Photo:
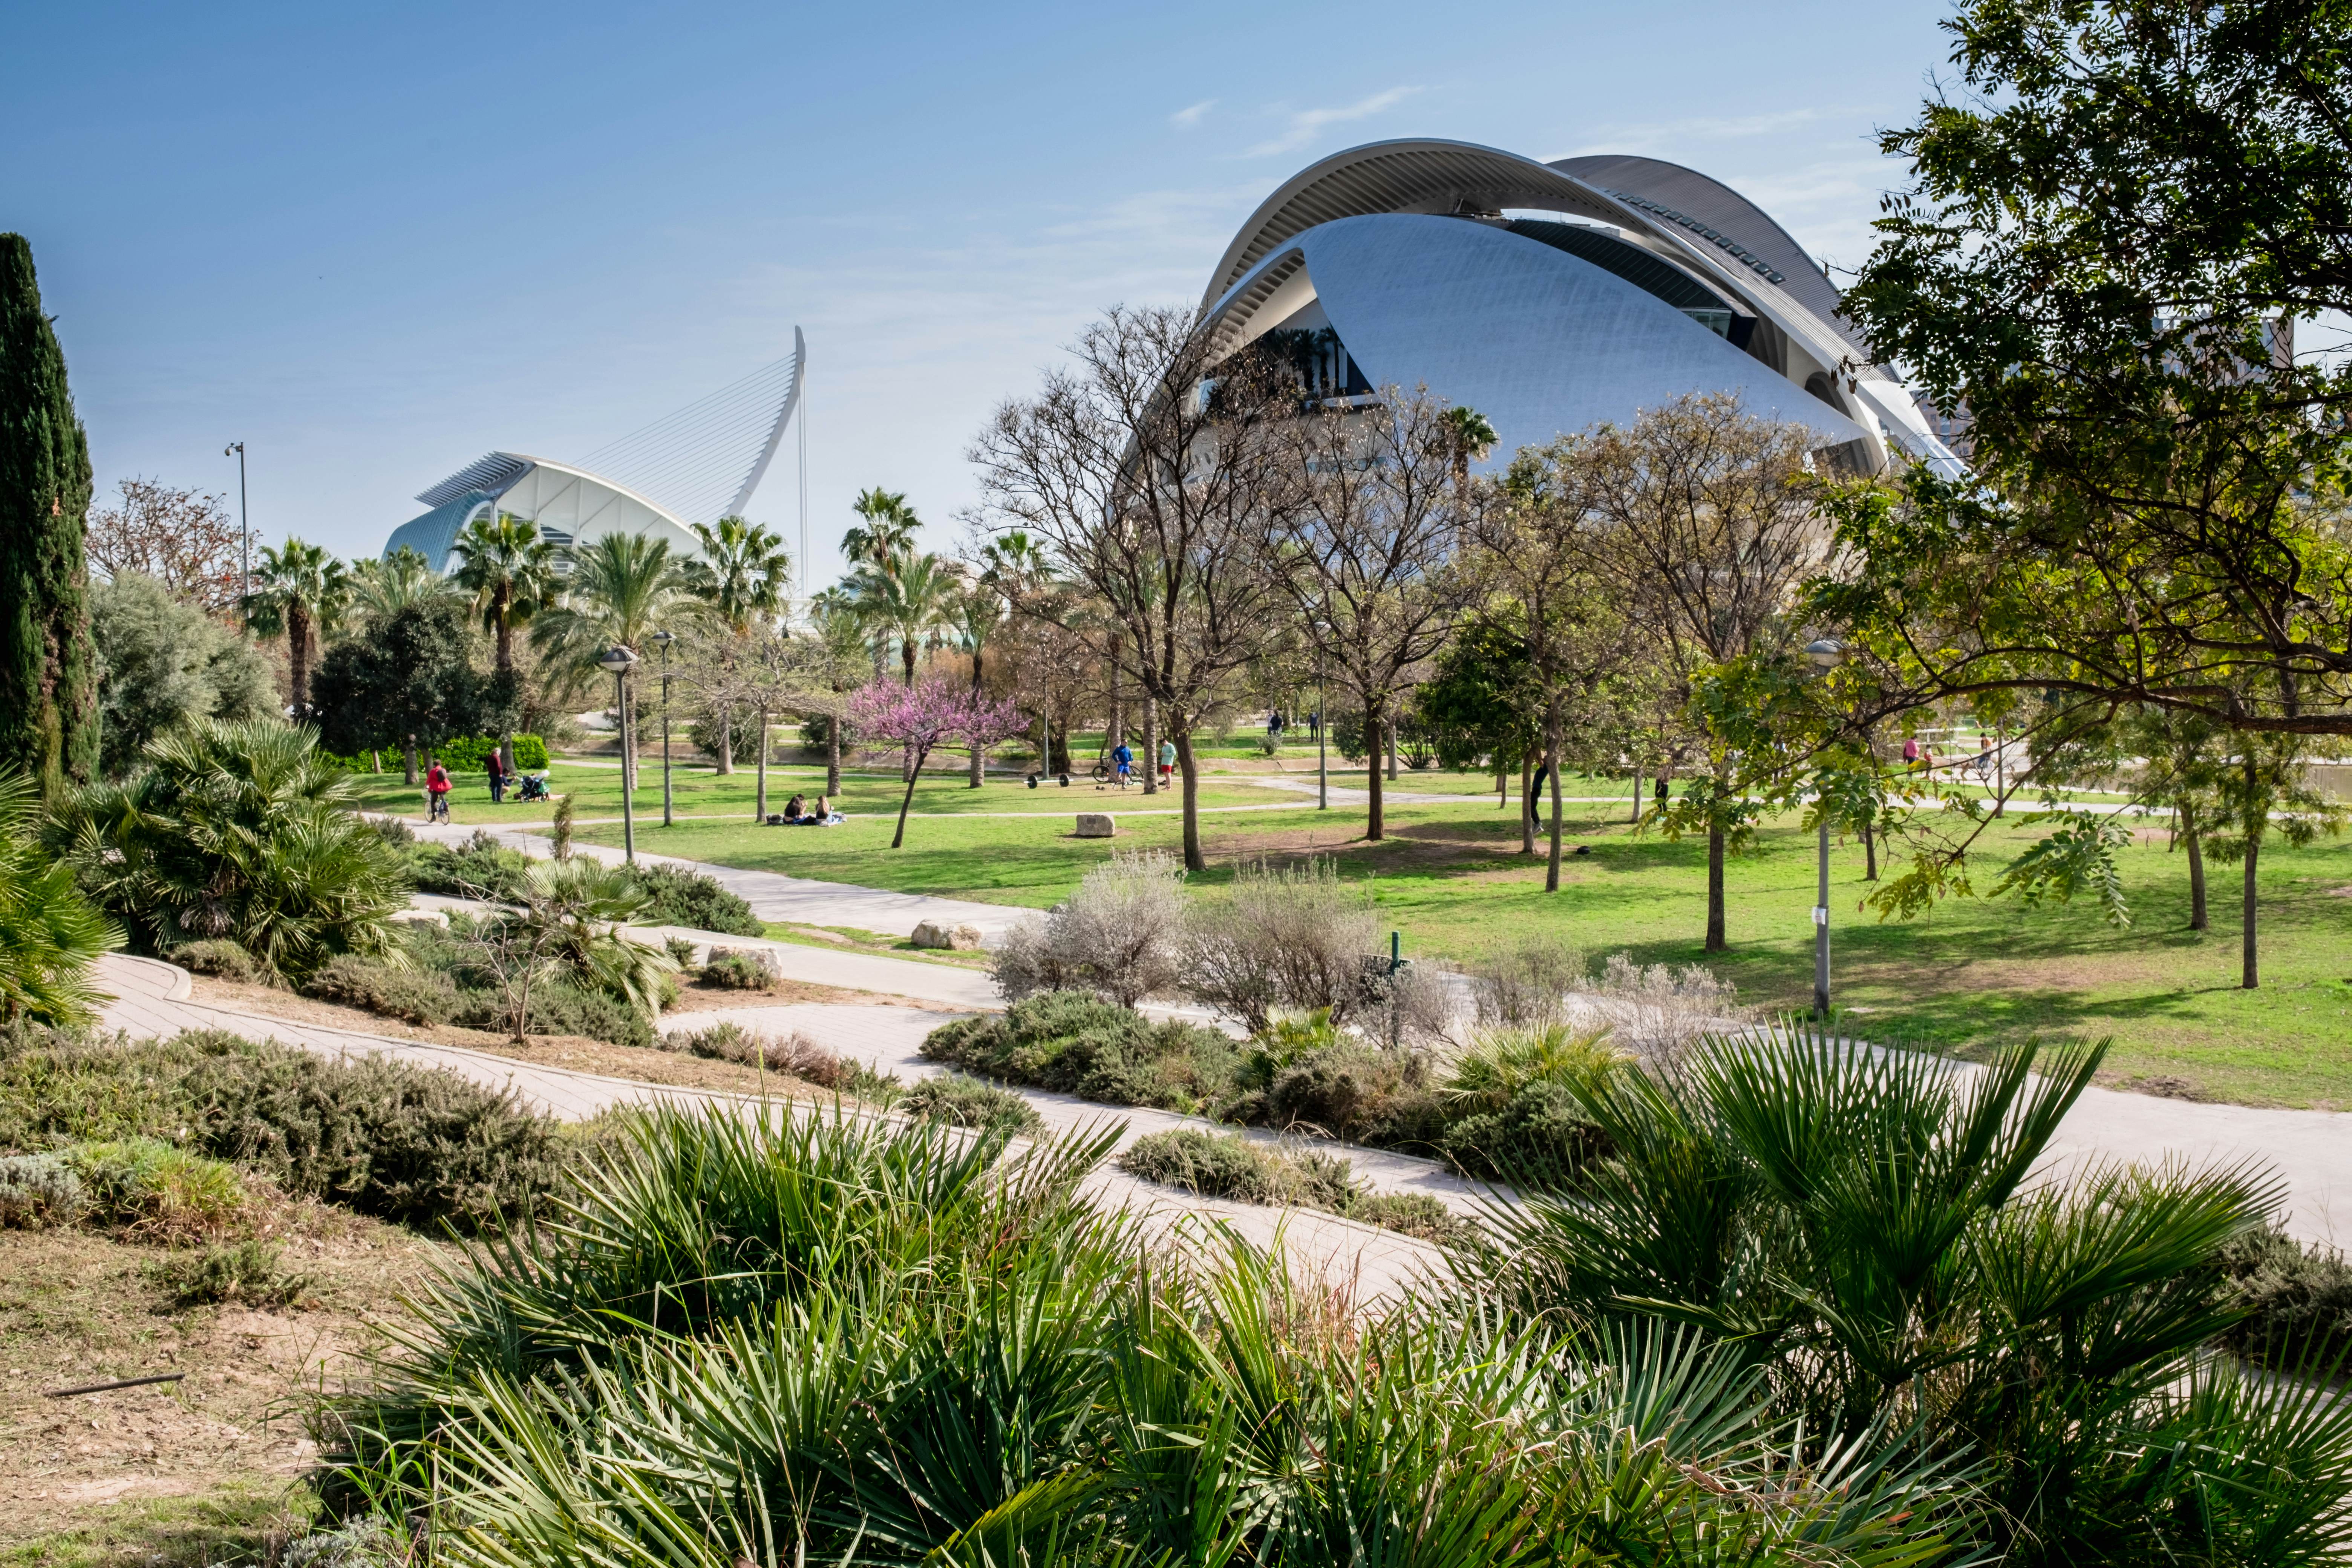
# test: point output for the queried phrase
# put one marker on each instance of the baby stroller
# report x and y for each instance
(534, 786)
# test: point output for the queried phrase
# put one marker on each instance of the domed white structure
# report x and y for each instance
(704, 462)
(1551, 297)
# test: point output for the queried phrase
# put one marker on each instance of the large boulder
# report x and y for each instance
(953, 939)
(1097, 825)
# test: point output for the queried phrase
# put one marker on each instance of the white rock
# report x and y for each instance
(955, 938)
(1097, 825)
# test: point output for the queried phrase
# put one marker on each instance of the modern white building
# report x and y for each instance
(696, 465)
(1552, 296)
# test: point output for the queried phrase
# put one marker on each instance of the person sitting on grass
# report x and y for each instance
(823, 816)
(796, 809)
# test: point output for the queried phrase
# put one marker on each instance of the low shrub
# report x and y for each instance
(962, 1102)
(481, 868)
(737, 969)
(37, 1190)
(1227, 1165)
(692, 899)
(417, 995)
(403, 1143)
(2298, 1300)
(158, 1188)
(1538, 1139)
(1074, 1043)
(244, 1272)
(471, 754)
(1528, 981)
(1209, 1164)
(1119, 933)
(222, 960)
(560, 1007)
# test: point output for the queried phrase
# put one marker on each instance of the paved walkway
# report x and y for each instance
(889, 1039)
(150, 1000)
(785, 900)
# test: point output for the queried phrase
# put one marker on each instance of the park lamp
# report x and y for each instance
(618, 660)
(1825, 654)
(662, 640)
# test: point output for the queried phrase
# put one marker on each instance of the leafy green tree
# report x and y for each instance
(510, 571)
(745, 578)
(302, 590)
(2116, 214)
(382, 588)
(48, 686)
(237, 832)
(1482, 702)
(623, 587)
(162, 662)
(50, 933)
(412, 681)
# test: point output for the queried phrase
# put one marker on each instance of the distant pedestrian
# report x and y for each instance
(497, 768)
(436, 792)
(1535, 789)
(1125, 760)
(1167, 760)
(1984, 758)
(1911, 752)
(1315, 725)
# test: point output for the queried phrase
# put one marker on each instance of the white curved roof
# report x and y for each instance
(570, 506)
(1698, 225)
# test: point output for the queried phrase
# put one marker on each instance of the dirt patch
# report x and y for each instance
(78, 1308)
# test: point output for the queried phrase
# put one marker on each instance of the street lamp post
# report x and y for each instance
(1322, 736)
(1825, 656)
(243, 525)
(665, 639)
(620, 658)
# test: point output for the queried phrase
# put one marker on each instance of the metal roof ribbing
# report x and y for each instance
(491, 474)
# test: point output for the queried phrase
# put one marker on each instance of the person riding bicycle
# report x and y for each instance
(436, 792)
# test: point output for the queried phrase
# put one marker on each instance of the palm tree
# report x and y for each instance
(974, 612)
(1473, 439)
(743, 577)
(909, 600)
(839, 643)
(50, 933)
(298, 590)
(889, 529)
(381, 589)
(509, 569)
(622, 586)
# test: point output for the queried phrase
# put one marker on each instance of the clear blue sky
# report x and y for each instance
(376, 241)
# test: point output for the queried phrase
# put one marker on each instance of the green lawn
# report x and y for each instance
(1973, 973)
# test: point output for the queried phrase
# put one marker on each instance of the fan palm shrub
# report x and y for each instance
(238, 832)
(1865, 1228)
(50, 933)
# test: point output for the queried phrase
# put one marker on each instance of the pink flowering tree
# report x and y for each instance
(920, 717)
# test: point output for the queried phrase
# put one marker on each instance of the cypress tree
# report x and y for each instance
(48, 690)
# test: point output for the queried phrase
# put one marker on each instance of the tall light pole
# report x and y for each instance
(620, 658)
(665, 639)
(1322, 736)
(243, 525)
(1825, 654)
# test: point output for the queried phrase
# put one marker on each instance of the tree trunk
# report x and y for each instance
(978, 751)
(907, 799)
(1375, 821)
(2257, 818)
(375, 758)
(2249, 969)
(832, 754)
(1502, 782)
(1118, 713)
(910, 764)
(408, 754)
(1551, 772)
(2195, 840)
(1527, 805)
(1637, 795)
(297, 657)
(1716, 941)
(628, 737)
(1388, 733)
(761, 812)
(726, 740)
(1151, 745)
(1869, 852)
(504, 608)
(1193, 859)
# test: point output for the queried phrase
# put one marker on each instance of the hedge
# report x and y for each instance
(470, 753)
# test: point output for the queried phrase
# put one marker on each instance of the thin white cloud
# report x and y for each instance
(1186, 117)
(1655, 137)
(1306, 123)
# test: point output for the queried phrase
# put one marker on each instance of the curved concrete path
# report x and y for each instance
(150, 1000)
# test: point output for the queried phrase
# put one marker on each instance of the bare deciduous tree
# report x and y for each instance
(1147, 473)
(182, 539)
(1368, 550)
(1710, 529)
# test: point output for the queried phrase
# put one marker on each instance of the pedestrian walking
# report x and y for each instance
(1167, 760)
(1911, 752)
(496, 769)
(436, 792)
